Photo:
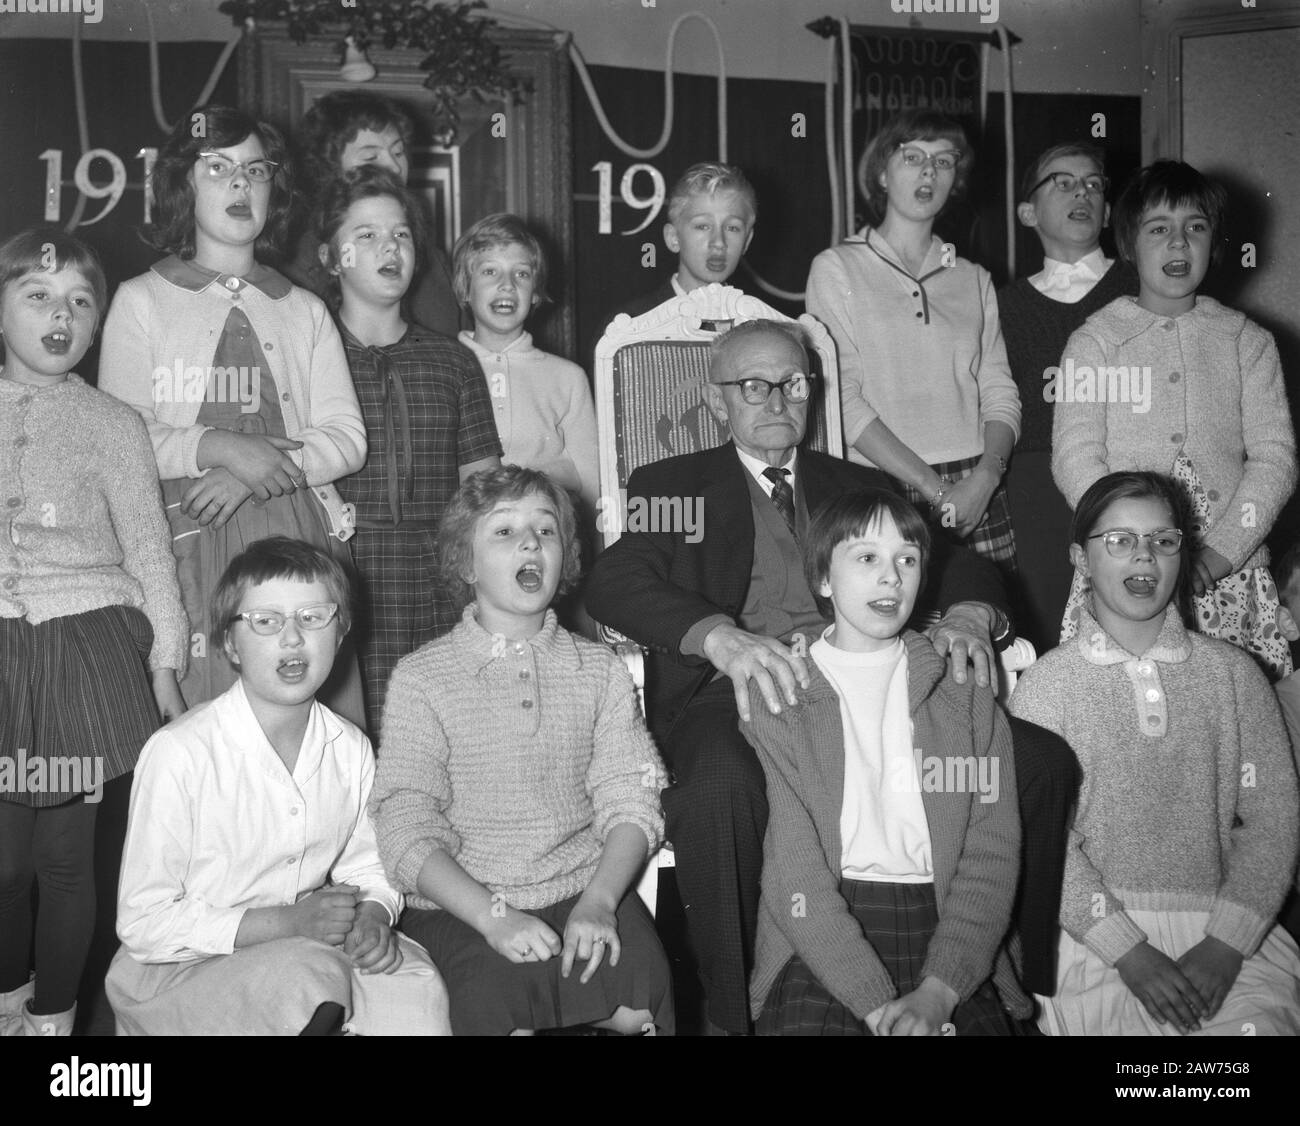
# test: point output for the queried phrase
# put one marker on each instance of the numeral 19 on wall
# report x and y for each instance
(651, 204)
(112, 191)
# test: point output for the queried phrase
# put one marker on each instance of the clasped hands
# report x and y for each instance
(337, 916)
(962, 635)
(248, 465)
(590, 934)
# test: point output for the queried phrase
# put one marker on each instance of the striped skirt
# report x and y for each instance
(74, 692)
(898, 920)
(993, 536)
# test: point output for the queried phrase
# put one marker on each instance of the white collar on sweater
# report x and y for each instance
(1171, 646)
(519, 347)
(1123, 319)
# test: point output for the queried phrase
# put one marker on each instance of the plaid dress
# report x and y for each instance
(993, 536)
(427, 413)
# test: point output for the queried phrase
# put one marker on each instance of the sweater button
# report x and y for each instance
(1167, 326)
(1153, 695)
(20, 441)
(1144, 669)
(918, 313)
(526, 704)
(269, 346)
(1176, 436)
(524, 674)
(1175, 376)
(285, 396)
(13, 502)
(10, 583)
(916, 293)
(1213, 494)
(1152, 720)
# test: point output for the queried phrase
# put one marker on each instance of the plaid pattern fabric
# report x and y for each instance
(427, 413)
(447, 423)
(993, 536)
(899, 921)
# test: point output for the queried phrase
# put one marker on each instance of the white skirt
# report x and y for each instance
(1092, 1000)
(272, 989)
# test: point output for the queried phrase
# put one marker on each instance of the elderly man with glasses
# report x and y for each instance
(731, 605)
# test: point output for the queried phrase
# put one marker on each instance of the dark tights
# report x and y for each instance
(55, 846)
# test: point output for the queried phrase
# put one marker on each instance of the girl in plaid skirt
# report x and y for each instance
(892, 846)
(925, 382)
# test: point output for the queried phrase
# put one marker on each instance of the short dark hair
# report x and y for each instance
(1175, 184)
(1034, 173)
(1132, 485)
(708, 178)
(333, 122)
(1287, 569)
(29, 252)
(277, 557)
(172, 229)
(852, 514)
(483, 491)
(911, 125)
(492, 231)
(791, 330)
(369, 181)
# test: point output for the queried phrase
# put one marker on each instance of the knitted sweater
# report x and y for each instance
(1035, 328)
(1215, 392)
(923, 354)
(975, 845)
(1188, 800)
(516, 758)
(82, 523)
(544, 413)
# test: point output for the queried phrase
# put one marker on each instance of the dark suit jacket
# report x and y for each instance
(652, 586)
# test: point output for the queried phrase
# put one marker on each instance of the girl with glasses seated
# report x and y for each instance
(239, 376)
(926, 389)
(1174, 382)
(1185, 835)
(252, 898)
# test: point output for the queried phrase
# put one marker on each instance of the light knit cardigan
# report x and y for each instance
(1216, 393)
(81, 517)
(544, 413)
(162, 319)
(925, 355)
(517, 758)
(1188, 800)
(975, 845)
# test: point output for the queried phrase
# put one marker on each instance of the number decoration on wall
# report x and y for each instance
(651, 204)
(112, 191)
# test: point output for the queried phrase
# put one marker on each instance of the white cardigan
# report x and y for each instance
(175, 313)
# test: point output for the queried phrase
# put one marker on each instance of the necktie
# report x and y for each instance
(782, 495)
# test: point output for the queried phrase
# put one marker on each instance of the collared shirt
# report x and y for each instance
(757, 467)
(218, 825)
(1070, 282)
(923, 353)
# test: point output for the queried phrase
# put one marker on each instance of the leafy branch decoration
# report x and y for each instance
(460, 59)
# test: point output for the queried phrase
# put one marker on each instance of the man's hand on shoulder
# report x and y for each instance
(965, 635)
(745, 656)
